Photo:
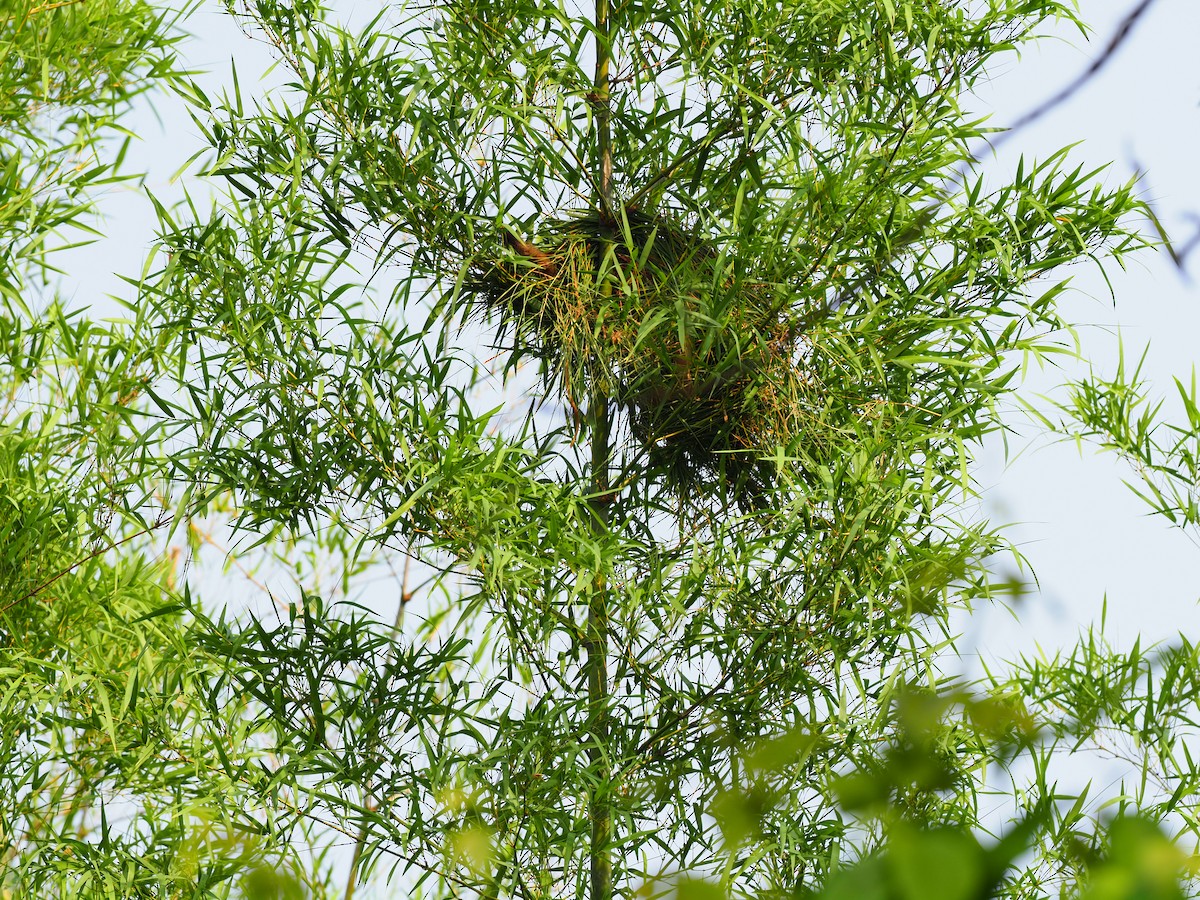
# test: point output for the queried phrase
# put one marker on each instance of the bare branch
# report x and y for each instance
(1124, 29)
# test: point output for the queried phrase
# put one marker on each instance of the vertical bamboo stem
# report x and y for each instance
(600, 89)
(600, 810)
(599, 414)
(360, 842)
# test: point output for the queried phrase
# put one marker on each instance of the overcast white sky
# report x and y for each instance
(1086, 535)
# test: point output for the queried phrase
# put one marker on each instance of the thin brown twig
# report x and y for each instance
(1124, 29)
(46, 7)
(100, 551)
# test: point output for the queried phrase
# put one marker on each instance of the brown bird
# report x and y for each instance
(540, 258)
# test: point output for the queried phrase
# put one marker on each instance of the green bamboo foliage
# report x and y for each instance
(67, 73)
(746, 251)
(106, 783)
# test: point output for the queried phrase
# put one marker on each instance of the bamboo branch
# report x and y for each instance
(599, 414)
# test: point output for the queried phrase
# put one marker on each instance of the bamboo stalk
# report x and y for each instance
(360, 841)
(600, 810)
(599, 414)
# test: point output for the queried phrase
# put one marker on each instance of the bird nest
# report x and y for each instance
(660, 319)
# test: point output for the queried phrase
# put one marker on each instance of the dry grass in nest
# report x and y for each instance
(658, 317)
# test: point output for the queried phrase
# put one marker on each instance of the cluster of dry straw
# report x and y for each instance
(702, 359)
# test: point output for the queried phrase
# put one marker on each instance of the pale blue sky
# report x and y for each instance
(1086, 534)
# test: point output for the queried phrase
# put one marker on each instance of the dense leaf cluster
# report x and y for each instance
(673, 606)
